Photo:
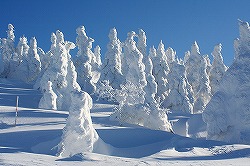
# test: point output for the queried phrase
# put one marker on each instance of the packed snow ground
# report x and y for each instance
(35, 138)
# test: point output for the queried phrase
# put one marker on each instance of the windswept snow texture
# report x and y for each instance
(228, 113)
(33, 141)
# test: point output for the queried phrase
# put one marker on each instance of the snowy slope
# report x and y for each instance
(33, 141)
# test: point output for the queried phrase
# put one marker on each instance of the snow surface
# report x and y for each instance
(34, 140)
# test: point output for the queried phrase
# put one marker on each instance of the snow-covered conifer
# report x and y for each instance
(186, 56)
(97, 53)
(57, 71)
(22, 49)
(134, 67)
(160, 70)
(33, 59)
(227, 114)
(48, 100)
(134, 109)
(112, 67)
(209, 65)
(83, 63)
(9, 47)
(79, 135)
(218, 68)
(170, 54)
(45, 59)
(7, 50)
(180, 96)
(19, 62)
(196, 68)
(151, 87)
(142, 43)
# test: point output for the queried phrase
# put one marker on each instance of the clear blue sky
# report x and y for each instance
(177, 22)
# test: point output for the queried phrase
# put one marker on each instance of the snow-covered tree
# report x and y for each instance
(170, 54)
(7, 50)
(97, 53)
(227, 115)
(151, 87)
(22, 49)
(8, 44)
(45, 59)
(133, 64)
(160, 70)
(180, 96)
(58, 69)
(196, 68)
(48, 100)
(19, 64)
(218, 68)
(133, 109)
(209, 66)
(142, 42)
(79, 135)
(33, 59)
(83, 63)
(111, 67)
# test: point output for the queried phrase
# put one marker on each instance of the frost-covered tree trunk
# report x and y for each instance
(48, 100)
(218, 68)
(112, 66)
(196, 68)
(83, 63)
(227, 115)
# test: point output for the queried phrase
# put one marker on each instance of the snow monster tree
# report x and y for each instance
(228, 113)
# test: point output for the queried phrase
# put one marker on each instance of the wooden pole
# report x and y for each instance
(16, 109)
